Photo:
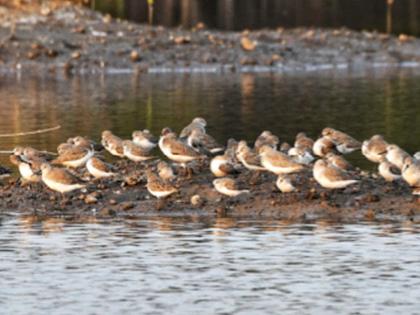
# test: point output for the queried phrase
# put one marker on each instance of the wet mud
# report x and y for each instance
(372, 199)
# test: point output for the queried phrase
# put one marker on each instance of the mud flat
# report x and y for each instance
(371, 199)
(74, 39)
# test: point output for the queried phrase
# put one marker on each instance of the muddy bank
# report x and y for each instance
(372, 199)
(75, 39)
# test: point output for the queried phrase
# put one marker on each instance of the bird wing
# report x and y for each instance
(179, 148)
(63, 177)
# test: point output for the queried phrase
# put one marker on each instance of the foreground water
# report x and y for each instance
(223, 266)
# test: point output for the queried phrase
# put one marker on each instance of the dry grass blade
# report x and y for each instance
(27, 133)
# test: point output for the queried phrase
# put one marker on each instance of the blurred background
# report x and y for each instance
(254, 14)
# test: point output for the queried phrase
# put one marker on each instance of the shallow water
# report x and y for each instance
(235, 105)
(216, 267)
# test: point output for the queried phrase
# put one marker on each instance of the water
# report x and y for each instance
(213, 267)
(235, 105)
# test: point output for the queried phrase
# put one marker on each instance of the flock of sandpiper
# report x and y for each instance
(330, 170)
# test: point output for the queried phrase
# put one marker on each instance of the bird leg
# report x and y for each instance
(160, 204)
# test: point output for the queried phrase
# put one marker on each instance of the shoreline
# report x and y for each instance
(75, 40)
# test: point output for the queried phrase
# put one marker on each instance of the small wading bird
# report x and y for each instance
(396, 155)
(338, 161)
(74, 157)
(98, 168)
(176, 150)
(197, 122)
(134, 152)
(249, 158)
(411, 174)
(342, 141)
(277, 162)
(304, 142)
(201, 141)
(330, 177)
(27, 171)
(323, 146)
(227, 186)
(389, 171)
(374, 149)
(59, 179)
(158, 187)
(266, 138)
(284, 184)
(222, 166)
(145, 139)
(165, 171)
(112, 143)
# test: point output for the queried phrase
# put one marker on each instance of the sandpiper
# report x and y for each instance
(59, 179)
(285, 147)
(301, 155)
(328, 176)
(338, 161)
(322, 146)
(157, 186)
(197, 122)
(343, 142)
(30, 154)
(63, 147)
(112, 143)
(304, 142)
(74, 157)
(98, 168)
(284, 184)
(411, 173)
(222, 165)
(144, 139)
(396, 155)
(26, 170)
(389, 171)
(230, 151)
(175, 149)
(84, 142)
(134, 152)
(202, 141)
(277, 162)
(374, 149)
(165, 171)
(228, 187)
(266, 138)
(249, 158)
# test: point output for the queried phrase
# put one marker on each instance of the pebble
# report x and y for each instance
(196, 200)
(90, 199)
(126, 205)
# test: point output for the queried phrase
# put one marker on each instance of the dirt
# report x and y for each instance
(372, 199)
(74, 39)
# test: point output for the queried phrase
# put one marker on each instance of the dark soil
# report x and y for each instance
(74, 39)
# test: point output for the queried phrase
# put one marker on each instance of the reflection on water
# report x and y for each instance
(216, 267)
(235, 105)
(257, 14)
